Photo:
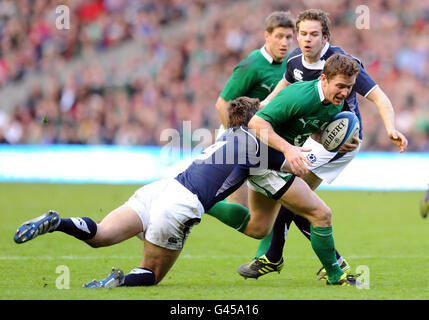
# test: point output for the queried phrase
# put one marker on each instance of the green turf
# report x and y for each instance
(380, 230)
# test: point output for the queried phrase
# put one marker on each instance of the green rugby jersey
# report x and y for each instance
(297, 111)
(255, 76)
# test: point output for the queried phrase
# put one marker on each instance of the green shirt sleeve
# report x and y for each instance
(241, 80)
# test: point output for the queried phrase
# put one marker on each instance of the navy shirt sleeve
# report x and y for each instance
(364, 83)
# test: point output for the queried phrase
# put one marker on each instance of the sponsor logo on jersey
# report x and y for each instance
(267, 87)
(297, 74)
(304, 123)
(172, 240)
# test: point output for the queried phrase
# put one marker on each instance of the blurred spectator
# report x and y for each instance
(190, 48)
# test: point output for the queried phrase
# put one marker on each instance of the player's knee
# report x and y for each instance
(257, 231)
(100, 241)
(95, 244)
(323, 215)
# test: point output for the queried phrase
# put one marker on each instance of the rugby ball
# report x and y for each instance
(343, 127)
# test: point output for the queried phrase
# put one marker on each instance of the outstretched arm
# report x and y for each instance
(385, 109)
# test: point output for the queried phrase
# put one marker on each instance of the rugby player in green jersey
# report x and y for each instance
(306, 63)
(258, 74)
(297, 112)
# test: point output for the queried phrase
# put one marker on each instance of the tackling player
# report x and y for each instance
(164, 212)
(303, 64)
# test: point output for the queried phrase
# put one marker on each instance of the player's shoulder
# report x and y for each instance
(335, 49)
(251, 60)
(302, 85)
(244, 137)
(294, 55)
(300, 92)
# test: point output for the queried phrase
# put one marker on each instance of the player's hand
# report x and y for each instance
(297, 160)
(398, 139)
(349, 147)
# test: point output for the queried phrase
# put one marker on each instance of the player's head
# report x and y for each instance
(338, 77)
(241, 110)
(313, 31)
(279, 30)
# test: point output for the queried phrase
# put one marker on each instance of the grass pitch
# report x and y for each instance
(380, 231)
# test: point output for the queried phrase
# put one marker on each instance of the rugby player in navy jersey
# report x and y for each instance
(303, 64)
(163, 213)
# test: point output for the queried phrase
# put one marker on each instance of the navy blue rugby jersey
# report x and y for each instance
(223, 167)
(297, 69)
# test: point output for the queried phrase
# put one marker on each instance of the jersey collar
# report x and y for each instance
(266, 55)
(320, 63)
(319, 89)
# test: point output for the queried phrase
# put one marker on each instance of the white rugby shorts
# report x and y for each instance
(324, 164)
(270, 182)
(168, 212)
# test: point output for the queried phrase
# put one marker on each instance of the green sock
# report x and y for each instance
(264, 245)
(232, 214)
(322, 242)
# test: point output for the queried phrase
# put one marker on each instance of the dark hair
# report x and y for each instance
(278, 19)
(241, 110)
(340, 64)
(318, 15)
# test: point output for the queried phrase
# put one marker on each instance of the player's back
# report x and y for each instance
(223, 167)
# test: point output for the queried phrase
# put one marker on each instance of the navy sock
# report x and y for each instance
(139, 277)
(283, 220)
(80, 228)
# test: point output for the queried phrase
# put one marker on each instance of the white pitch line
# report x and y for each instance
(91, 257)
(184, 256)
(66, 257)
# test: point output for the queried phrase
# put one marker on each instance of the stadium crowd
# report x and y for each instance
(181, 75)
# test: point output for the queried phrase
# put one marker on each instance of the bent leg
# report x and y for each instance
(240, 196)
(159, 260)
(302, 200)
(263, 212)
(119, 225)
